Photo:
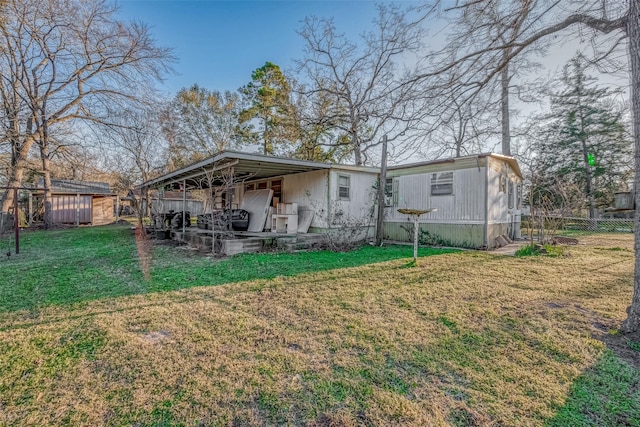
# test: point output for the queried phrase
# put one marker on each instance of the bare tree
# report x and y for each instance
(607, 24)
(68, 61)
(467, 76)
(200, 123)
(134, 149)
(368, 92)
(464, 128)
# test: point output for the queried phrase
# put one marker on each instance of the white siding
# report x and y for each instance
(497, 202)
(465, 205)
(309, 191)
(362, 196)
(498, 206)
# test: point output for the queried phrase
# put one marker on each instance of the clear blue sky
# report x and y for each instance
(219, 43)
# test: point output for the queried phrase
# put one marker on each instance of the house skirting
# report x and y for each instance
(448, 234)
(457, 235)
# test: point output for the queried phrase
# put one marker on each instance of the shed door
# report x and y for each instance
(64, 209)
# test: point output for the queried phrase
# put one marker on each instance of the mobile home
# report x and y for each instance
(476, 199)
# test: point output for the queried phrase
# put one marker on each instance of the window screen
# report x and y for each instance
(344, 184)
(441, 183)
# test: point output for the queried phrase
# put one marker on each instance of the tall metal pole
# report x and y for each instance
(383, 180)
(16, 220)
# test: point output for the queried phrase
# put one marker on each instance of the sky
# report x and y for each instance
(219, 43)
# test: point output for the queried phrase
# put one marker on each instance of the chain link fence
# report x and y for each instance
(569, 225)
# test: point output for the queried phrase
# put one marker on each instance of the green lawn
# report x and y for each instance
(317, 339)
(70, 266)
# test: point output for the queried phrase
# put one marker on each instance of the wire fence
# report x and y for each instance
(569, 225)
(6, 223)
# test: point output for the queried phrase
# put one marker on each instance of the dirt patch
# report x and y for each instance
(555, 305)
(625, 346)
(156, 337)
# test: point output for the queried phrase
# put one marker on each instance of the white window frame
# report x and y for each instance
(442, 183)
(347, 186)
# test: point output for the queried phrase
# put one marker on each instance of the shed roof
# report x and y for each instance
(68, 186)
(245, 165)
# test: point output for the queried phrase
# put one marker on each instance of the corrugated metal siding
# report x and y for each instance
(501, 218)
(466, 204)
(498, 200)
(497, 203)
(459, 235)
(64, 209)
(102, 210)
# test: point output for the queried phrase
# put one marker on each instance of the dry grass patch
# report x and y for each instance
(462, 339)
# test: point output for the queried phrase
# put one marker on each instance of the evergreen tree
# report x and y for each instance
(268, 96)
(585, 139)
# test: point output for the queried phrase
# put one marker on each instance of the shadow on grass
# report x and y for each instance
(77, 265)
(608, 393)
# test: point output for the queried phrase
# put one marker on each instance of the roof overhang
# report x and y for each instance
(511, 161)
(246, 166)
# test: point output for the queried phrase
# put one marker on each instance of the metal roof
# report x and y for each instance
(245, 166)
(513, 163)
(68, 186)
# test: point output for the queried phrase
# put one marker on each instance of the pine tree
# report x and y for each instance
(268, 96)
(585, 139)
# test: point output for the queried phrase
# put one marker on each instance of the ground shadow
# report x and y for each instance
(608, 393)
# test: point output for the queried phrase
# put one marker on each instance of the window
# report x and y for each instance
(503, 183)
(391, 192)
(519, 196)
(510, 194)
(344, 184)
(441, 183)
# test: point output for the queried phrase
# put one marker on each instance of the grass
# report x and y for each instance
(461, 339)
(534, 250)
(605, 395)
(72, 266)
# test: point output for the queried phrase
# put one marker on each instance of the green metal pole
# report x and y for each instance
(415, 238)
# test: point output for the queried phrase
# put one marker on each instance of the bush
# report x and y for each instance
(537, 249)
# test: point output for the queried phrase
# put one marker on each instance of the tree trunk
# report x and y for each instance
(16, 173)
(357, 152)
(632, 323)
(590, 187)
(46, 169)
(506, 131)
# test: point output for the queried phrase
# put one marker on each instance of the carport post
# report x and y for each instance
(78, 210)
(30, 208)
(184, 206)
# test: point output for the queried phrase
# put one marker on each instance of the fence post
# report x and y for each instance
(16, 220)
